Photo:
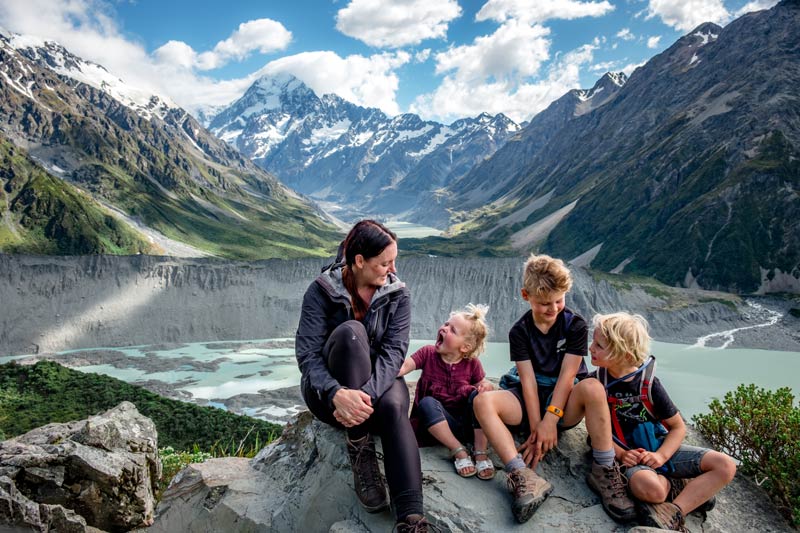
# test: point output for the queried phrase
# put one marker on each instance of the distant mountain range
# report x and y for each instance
(341, 153)
(688, 172)
(91, 165)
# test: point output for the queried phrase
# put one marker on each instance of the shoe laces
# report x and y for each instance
(364, 453)
(517, 482)
(617, 481)
(420, 526)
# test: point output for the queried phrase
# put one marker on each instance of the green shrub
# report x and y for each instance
(761, 429)
(173, 462)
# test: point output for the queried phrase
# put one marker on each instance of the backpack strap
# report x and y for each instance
(646, 386)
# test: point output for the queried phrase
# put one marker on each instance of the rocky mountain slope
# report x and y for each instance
(497, 175)
(336, 151)
(145, 159)
(58, 303)
(689, 173)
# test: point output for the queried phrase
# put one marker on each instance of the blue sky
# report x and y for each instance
(442, 59)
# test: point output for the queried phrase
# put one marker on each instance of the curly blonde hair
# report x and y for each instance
(543, 275)
(626, 335)
(478, 331)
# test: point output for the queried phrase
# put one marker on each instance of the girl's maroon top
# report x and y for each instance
(451, 384)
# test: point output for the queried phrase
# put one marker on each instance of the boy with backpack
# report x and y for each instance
(548, 344)
(671, 479)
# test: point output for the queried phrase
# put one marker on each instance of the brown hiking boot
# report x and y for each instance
(676, 486)
(413, 523)
(367, 478)
(612, 486)
(529, 491)
(664, 516)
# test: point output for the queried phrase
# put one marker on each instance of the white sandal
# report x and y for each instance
(483, 466)
(463, 462)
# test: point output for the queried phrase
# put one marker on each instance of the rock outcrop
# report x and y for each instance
(100, 473)
(302, 482)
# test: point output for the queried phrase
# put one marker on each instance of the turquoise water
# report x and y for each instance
(219, 370)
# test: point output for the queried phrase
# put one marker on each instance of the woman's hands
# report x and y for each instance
(352, 407)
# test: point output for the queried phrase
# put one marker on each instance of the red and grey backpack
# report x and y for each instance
(648, 370)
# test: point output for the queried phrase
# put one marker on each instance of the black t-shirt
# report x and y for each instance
(631, 412)
(546, 351)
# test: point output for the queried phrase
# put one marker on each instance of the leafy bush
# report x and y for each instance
(172, 462)
(761, 429)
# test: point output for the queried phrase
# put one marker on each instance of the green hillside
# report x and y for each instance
(35, 395)
(41, 214)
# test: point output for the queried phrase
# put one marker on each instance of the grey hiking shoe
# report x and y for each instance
(415, 523)
(676, 486)
(367, 478)
(612, 486)
(663, 516)
(529, 491)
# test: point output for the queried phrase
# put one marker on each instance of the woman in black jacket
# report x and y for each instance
(350, 345)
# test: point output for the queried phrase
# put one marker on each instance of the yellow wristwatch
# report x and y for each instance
(555, 410)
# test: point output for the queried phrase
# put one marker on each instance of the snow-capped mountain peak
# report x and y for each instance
(52, 55)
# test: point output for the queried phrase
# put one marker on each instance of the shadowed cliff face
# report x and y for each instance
(59, 303)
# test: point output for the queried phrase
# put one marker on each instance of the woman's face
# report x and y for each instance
(375, 270)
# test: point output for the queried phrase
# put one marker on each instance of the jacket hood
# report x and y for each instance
(331, 280)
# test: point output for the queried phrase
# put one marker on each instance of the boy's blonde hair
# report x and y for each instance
(478, 331)
(626, 335)
(543, 275)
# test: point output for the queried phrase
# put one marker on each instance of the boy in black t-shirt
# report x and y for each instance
(657, 471)
(548, 345)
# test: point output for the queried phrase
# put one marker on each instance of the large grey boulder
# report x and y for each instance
(97, 473)
(302, 482)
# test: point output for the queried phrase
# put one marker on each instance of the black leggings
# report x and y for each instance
(347, 356)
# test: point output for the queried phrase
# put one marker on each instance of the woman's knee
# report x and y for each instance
(394, 402)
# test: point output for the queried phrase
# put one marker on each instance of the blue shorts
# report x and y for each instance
(686, 462)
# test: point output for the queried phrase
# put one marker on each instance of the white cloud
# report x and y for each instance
(535, 11)
(422, 56)
(652, 42)
(515, 49)
(367, 81)
(625, 34)
(605, 66)
(519, 97)
(87, 29)
(757, 5)
(264, 35)
(396, 23)
(630, 67)
(686, 15)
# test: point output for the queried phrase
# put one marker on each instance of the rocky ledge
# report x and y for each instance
(302, 482)
(98, 474)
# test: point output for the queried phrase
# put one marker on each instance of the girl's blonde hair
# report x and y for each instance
(626, 335)
(478, 331)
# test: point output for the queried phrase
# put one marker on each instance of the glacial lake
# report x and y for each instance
(219, 370)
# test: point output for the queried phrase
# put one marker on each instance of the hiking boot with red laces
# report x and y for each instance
(664, 516)
(612, 486)
(414, 523)
(369, 485)
(676, 486)
(529, 491)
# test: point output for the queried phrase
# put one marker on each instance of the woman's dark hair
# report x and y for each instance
(368, 239)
